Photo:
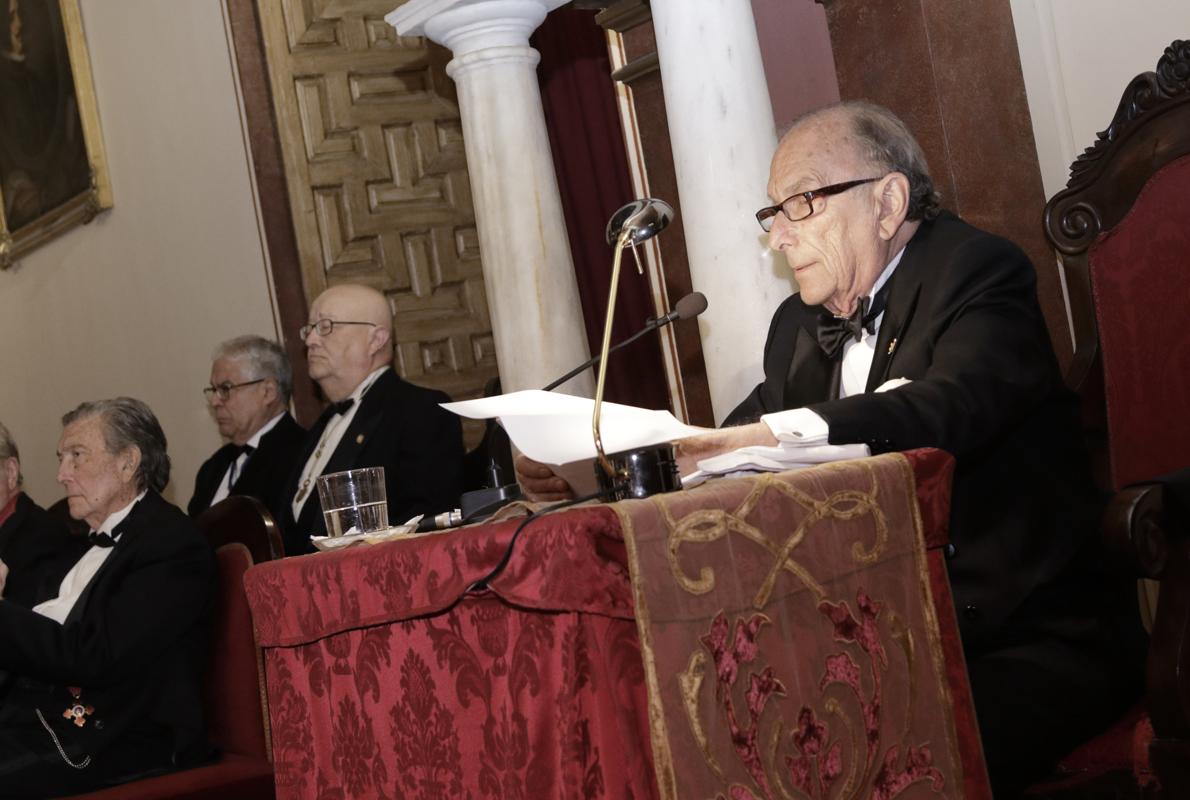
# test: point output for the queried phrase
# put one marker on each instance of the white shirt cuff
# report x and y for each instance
(797, 426)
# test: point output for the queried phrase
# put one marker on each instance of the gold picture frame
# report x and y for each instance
(53, 173)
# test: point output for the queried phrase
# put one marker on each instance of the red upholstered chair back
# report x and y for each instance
(1140, 278)
(236, 717)
(1122, 227)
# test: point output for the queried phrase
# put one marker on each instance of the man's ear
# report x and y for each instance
(379, 340)
(893, 204)
(130, 463)
(271, 392)
(10, 473)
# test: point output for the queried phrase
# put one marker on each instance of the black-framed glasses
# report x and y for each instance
(798, 206)
(224, 390)
(326, 327)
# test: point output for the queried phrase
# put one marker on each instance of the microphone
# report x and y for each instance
(688, 307)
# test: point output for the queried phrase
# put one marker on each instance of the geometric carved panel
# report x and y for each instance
(377, 175)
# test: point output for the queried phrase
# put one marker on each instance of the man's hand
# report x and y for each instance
(3, 577)
(539, 483)
(690, 451)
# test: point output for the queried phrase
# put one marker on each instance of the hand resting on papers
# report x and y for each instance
(539, 482)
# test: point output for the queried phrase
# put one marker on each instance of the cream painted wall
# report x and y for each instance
(135, 302)
(1077, 56)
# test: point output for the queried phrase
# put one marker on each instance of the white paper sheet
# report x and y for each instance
(556, 428)
(772, 459)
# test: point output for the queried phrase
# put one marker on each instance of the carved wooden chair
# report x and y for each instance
(1122, 227)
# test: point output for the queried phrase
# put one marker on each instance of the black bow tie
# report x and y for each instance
(833, 332)
(240, 449)
(100, 539)
(341, 407)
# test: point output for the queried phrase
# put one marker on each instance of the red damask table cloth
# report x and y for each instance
(387, 678)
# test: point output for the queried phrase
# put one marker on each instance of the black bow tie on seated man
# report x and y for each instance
(100, 539)
(833, 332)
(341, 407)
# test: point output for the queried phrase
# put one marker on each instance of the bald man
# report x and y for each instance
(375, 419)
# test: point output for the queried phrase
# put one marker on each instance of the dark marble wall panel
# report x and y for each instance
(951, 70)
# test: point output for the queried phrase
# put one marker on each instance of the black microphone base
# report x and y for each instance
(640, 473)
(482, 503)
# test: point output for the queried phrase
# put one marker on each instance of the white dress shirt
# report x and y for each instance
(332, 434)
(237, 467)
(804, 427)
(75, 582)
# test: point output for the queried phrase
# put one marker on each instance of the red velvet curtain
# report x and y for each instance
(588, 149)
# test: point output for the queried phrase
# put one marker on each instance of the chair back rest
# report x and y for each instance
(246, 520)
(234, 693)
(1122, 226)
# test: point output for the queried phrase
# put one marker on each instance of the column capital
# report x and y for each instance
(465, 26)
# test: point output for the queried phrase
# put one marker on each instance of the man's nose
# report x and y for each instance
(781, 233)
(62, 473)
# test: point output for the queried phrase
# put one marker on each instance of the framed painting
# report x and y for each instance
(53, 175)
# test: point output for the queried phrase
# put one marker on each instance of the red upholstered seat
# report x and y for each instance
(1123, 228)
(236, 713)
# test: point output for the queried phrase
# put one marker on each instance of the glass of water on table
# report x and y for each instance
(354, 501)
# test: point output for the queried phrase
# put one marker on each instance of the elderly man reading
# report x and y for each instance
(897, 294)
(102, 681)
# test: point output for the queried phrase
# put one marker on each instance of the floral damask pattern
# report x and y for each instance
(387, 685)
(795, 615)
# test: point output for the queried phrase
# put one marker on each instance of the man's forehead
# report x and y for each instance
(83, 432)
(229, 366)
(810, 156)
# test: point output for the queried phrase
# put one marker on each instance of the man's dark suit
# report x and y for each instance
(38, 551)
(400, 427)
(963, 324)
(134, 645)
(264, 474)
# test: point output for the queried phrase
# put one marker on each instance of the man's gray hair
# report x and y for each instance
(128, 422)
(265, 359)
(8, 449)
(886, 143)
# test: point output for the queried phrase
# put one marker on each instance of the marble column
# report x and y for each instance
(723, 135)
(532, 293)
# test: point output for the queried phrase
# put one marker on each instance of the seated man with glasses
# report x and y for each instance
(251, 381)
(914, 329)
(375, 419)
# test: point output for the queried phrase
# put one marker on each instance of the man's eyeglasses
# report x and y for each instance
(326, 327)
(798, 206)
(223, 390)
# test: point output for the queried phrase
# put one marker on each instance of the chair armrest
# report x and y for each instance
(1134, 532)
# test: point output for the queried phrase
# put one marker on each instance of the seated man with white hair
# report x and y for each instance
(251, 382)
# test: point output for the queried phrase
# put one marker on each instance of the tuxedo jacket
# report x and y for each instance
(265, 474)
(964, 325)
(402, 428)
(134, 646)
(38, 550)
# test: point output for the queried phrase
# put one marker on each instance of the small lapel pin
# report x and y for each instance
(892, 346)
(359, 439)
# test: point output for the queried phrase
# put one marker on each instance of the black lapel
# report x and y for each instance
(810, 373)
(129, 530)
(902, 301)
